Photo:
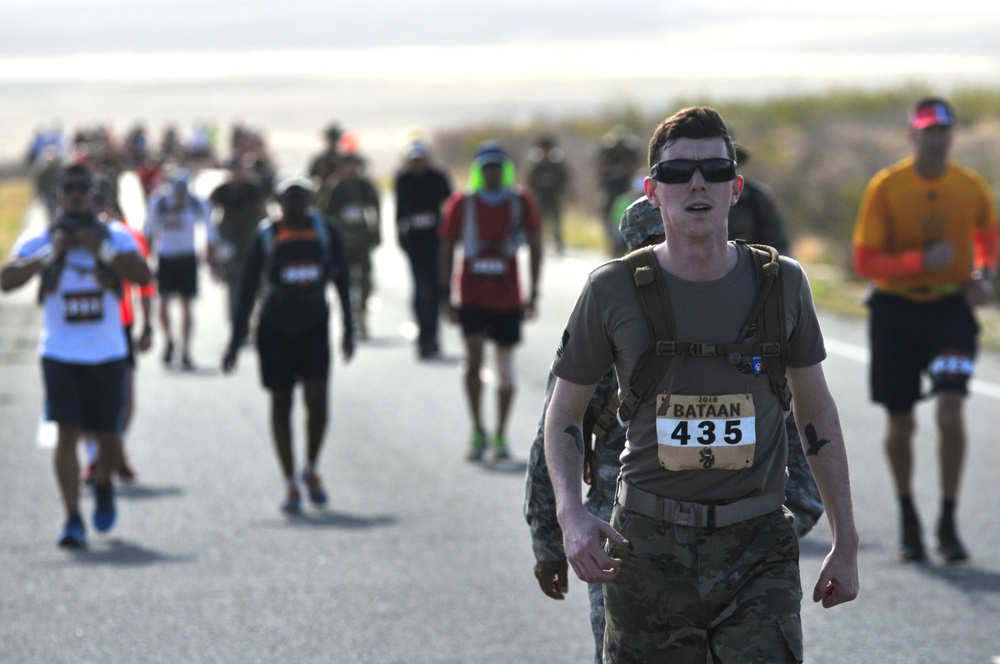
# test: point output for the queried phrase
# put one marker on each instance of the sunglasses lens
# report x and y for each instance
(675, 171)
(679, 171)
(718, 170)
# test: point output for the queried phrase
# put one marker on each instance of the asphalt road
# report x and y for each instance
(421, 556)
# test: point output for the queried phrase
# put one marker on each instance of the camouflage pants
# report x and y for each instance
(696, 595)
(601, 504)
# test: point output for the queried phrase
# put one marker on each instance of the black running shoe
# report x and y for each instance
(948, 544)
(912, 548)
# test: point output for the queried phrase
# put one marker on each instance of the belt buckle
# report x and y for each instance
(682, 518)
(691, 518)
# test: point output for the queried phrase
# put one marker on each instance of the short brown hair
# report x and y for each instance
(693, 122)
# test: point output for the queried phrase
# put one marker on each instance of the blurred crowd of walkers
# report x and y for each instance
(277, 243)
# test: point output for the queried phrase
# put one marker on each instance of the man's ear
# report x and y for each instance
(649, 188)
(738, 185)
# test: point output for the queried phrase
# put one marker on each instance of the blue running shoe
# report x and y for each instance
(104, 509)
(73, 534)
(317, 494)
(292, 505)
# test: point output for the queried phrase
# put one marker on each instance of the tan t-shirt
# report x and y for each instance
(607, 327)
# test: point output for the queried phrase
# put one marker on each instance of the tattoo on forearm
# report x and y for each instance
(574, 431)
(814, 441)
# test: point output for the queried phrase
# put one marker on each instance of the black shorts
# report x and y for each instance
(285, 359)
(503, 327)
(91, 396)
(909, 339)
(177, 275)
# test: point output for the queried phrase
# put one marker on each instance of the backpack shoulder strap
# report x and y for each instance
(768, 319)
(322, 232)
(470, 232)
(267, 229)
(654, 299)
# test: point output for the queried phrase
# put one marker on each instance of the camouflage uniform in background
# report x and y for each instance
(548, 179)
(242, 203)
(352, 203)
(540, 502)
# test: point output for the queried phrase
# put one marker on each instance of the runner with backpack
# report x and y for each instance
(291, 259)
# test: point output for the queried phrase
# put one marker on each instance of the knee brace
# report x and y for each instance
(951, 370)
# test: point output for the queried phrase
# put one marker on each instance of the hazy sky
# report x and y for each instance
(650, 35)
(402, 63)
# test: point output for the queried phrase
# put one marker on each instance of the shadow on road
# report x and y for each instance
(381, 341)
(332, 519)
(126, 554)
(199, 370)
(506, 467)
(147, 491)
(966, 578)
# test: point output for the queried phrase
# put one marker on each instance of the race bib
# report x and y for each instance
(354, 215)
(706, 432)
(420, 222)
(488, 267)
(83, 306)
(300, 274)
(173, 221)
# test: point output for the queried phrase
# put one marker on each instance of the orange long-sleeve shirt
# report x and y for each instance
(903, 213)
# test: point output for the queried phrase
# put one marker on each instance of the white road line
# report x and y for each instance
(857, 353)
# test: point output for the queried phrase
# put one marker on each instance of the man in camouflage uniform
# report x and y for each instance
(351, 201)
(324, 165)
(548, 179)
(700, 560)
(640, 225)
(240, 203)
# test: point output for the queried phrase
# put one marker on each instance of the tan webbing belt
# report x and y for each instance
(696, 515)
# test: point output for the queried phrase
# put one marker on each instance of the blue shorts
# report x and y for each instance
(91, 396)
(910, 339)
(503, 327)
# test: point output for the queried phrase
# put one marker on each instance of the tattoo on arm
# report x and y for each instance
(577, 435)
(814, 441)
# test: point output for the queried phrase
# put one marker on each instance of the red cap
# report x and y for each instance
(930, 115)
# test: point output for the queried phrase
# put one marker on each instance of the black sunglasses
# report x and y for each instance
(679, 171)
(75, 186)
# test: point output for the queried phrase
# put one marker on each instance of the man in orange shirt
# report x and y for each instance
(926, 236)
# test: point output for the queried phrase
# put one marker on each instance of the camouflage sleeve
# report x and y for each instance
(539, 498)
